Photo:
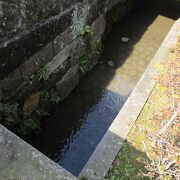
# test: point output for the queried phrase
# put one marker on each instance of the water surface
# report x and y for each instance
(75, 127)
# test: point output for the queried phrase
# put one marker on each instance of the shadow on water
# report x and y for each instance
(134, 25)
(75, 127)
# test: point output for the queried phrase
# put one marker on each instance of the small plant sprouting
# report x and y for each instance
(44, 74)
(29, 80)
(28, 125)
(55, 99)
(42, 112)
(8, 107)
(9, 110)
(86, 29)
(82, 66)
(86, 57)
(50, 96)
(32, 78)
(45, 94)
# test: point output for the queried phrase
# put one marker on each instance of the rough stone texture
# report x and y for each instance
(103, 156)
(19, 47)
(50, 42)
(56, 25)
(99, 27)
(38, 60)
(18, 160)
(68, 82)
(15, 51)
(63, 55)
(11, 82)
(56, 68)
(61, 41)
(28, 13)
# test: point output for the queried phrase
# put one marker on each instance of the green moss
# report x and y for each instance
(127, 164)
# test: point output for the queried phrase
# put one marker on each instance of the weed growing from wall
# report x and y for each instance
(11, 116)
(28, 125)
(44, 74)
(9, 112)
(51, 96)
(89, 57)
(87, 30)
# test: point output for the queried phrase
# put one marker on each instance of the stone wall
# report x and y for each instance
(44, 47)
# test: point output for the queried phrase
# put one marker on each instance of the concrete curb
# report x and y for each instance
(105, 153)
(19, 160)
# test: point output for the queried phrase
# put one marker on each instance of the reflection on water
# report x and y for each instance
(76, 127)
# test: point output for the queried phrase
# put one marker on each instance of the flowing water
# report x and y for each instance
(76, 126)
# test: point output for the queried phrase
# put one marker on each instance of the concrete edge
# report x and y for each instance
(26, 162)
(105, 153)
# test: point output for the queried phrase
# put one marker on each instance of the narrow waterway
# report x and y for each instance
(76, 126)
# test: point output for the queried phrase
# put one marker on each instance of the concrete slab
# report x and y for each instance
(19, 160)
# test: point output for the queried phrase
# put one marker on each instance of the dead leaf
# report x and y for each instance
(31, 104)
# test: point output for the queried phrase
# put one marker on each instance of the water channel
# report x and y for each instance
(76, 126)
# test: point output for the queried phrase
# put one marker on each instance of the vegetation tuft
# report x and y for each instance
(88, 58)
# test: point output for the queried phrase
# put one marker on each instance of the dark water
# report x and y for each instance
(75, 127)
